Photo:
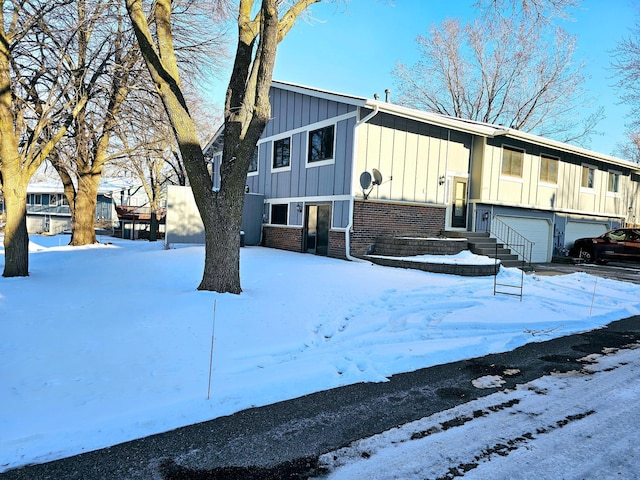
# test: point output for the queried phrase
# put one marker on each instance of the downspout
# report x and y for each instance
(354, 164)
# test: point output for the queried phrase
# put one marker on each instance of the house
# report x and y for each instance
(48, 209)
(338, 171)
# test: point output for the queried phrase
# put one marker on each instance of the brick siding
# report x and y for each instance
(337, 244)
(284, 238)
(373, 219)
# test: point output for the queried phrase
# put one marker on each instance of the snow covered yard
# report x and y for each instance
(108, 343)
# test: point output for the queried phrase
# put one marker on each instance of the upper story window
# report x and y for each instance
(321, 144)
(282, 153)
(614, 182)
(588, 177)
(512, 162)
(34, 199)
(253, 166)
(548, 169)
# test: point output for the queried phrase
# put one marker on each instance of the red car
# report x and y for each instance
(619, 244)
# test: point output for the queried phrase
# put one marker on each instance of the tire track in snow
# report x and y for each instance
(461, 441)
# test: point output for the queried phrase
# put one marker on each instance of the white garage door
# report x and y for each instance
(535, 230)
(575, 230)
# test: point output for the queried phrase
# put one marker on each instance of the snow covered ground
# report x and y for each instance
(577, 425)
(112, 342)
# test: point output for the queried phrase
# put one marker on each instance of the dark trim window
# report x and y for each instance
(548, 169)
(588, 177)
(253, 166)
(614, 182)
(34, 199)
(279, 213)
(282, 153)
(512, 162)
(321, 144)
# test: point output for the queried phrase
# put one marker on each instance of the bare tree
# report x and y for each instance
(247, 112)
(625, 64)
(630, 147)
(103, 62)
(501, 70)
(145, 161)
(36, 110)
(107, 64)
(533, 10)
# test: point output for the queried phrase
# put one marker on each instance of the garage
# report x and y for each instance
(536, 230)
(575, 230)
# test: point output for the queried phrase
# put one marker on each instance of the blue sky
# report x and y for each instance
(353, 47)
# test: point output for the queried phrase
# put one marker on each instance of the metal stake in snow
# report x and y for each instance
(213, 331)
(593, 297)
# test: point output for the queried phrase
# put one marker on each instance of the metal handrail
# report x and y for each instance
(512, 239)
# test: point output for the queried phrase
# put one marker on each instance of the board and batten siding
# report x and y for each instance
(294, 115)
(292, 110)
(411, 156)
(567, 195)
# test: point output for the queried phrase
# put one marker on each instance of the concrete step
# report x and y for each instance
(486, 244)
(506, 256)
(489, 251)
(516, 264)
(464, 234)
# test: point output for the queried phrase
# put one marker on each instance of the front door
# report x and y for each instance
(317, 224)
(459, 203)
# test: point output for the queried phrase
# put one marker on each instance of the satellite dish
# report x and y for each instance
(377, 177)
(365, 180)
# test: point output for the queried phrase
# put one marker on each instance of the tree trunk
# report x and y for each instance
(16, 239)
(247, 111)
(222, 246)
(84, 212)
(153, 205)
(153, 226)
(67, 182)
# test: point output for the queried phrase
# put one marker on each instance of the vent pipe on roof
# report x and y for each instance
(387, 94)
(376, 96)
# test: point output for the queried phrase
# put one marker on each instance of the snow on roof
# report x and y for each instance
(107, 185)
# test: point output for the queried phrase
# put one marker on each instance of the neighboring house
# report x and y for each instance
(437, 173)
(48, 209)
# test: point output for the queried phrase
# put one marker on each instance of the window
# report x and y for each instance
(53, 199)
(321, 144)
(279, 214)
(588, 176)
(253, 166)
(548, 169)
(512, 162)
(281, 153)
(34, 199)
(614, 182)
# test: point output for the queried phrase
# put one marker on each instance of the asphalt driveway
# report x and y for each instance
(283, 440)
(624, 271)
